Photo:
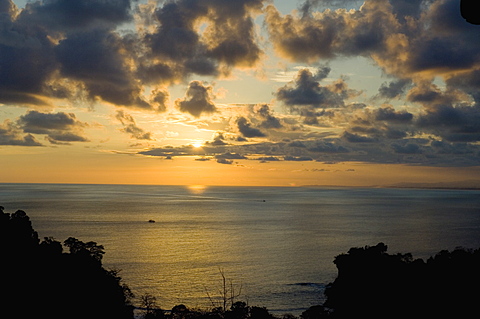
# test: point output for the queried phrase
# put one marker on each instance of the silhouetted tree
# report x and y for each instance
(239, 310)
(315, 312)
(90, 248)
(39, 280)
(260, 313)
(375, 284)
(151, 310)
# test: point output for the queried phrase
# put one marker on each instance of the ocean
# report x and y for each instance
(274, 245)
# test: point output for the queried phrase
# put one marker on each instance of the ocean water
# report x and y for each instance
(275, 246)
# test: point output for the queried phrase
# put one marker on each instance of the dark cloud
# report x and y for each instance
(71, 15)
(95, 58)
(376, 125)
(356, 138)
(227, 158)
(59, 127)
(409, 39)
(224, 161)
(298, 158)
(297, 144)
(27, 60)
(266, 159)
(53, 48)
(454, 149)
(159, 99)
(393, 89)
(8, 7)
(228, 40)
(230, 156)
(328, 147)
(407, 149)
(170, 151)
(389, 114)
(11, 135)
(468, 81)
(246, 128)
(198, 100)
(305, 94)
(307, 91)
(447, 114)
(75, 37)
(408, 8)
(130, 126)
(218, 140)
(268, 120)
(454, 124)
(231, 39)
(330, 33)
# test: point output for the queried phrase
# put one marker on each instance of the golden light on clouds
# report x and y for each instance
(197, 144)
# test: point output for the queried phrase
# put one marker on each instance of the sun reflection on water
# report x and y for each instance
(197, 189)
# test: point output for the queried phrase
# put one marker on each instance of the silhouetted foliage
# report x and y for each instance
(39, 280)
(375, 284)
(315, 312)
(150, 308)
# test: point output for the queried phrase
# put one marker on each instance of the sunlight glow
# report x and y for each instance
(197, 189)
(197, 144)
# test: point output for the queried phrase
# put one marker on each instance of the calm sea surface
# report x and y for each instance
(275, 245)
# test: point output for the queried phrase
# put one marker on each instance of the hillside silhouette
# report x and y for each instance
(48, 279)
(40, 280)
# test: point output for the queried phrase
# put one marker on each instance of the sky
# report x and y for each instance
(239, 92)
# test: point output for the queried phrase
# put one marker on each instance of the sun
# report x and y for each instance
(197, 144)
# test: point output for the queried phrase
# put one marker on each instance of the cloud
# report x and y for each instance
(224, 161)
(447, 113)
(58, 127)
(393, 89)
(388, 113)
(230, 156)
(246, 128)
(268, 120)
(57, 48)
(63, 15)
(376, 125)
(218, 140)
(407, 149)
(11, 135)
(454, 124)
(328, 147)
(170, 151)
(96, 59)
(297, 158)
(305, 94)
(356, 138)
(418, 151)
(176, 48)
(197, 100)
(27, 63)
(307, 91)
(130, 126)
(408, 39)
(265, 159)
(328, 34)
(159, 99)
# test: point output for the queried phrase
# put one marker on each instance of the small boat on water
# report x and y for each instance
(151, 221)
